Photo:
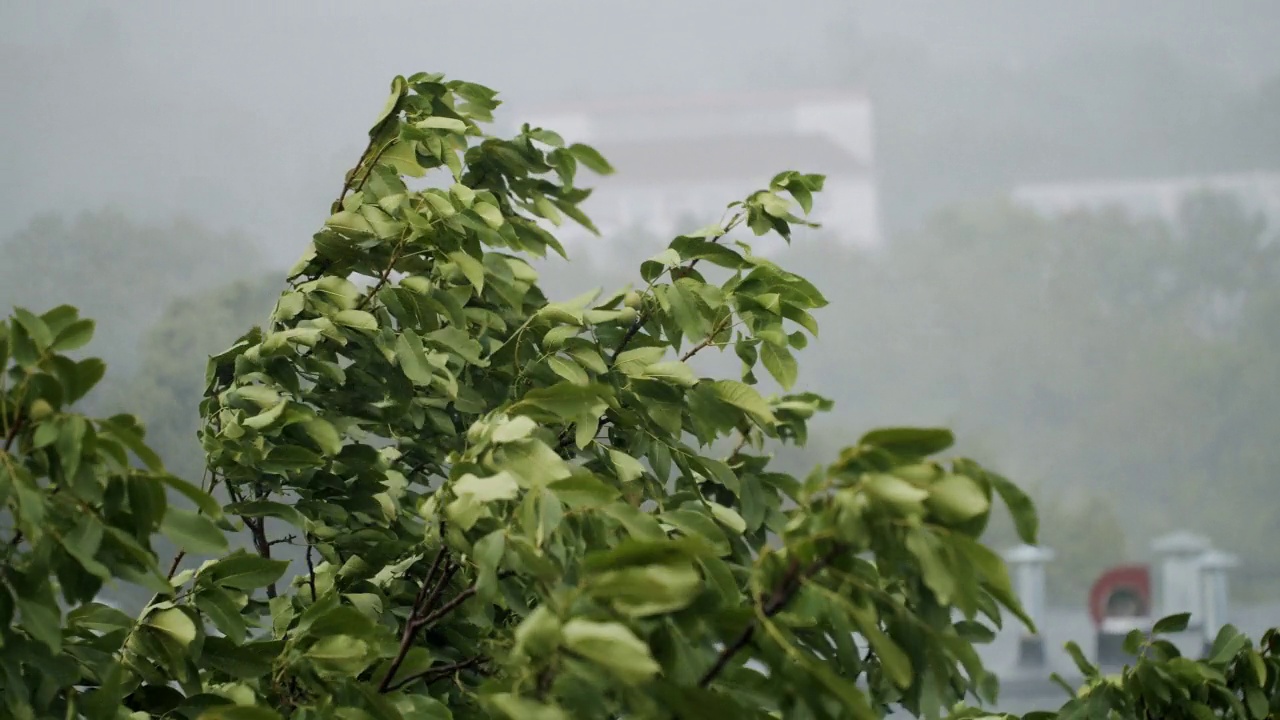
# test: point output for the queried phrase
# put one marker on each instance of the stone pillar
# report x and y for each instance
(1180, 584)
(1027, 568)
(1215, 599)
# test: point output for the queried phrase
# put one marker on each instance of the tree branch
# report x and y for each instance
(311, 569)
(438, 673)
(426, 597)
(792, 580)
(710, 338)
(13, 431)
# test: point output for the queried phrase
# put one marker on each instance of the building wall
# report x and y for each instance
(848, 208)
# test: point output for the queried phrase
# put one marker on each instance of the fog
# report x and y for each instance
(1069, 211)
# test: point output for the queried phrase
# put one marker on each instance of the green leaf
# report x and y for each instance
(781, 364)
(627, 467)
(488, 554)
(728, 517)
(568, 370)
(744, 398)
(675, 372)
(1133, 641)
(240, 712)
(588, 156)
(502, 486)
(566, 401)
(1077, 655)
(413, 358)
(174, 623)
(36, 328)
(268, 508)
(956, 498)
(636, 360)
(267, 417)
(518, 708)
(74, 336)
(223, 611)
(471, 268)
(512, 429)
(910, 442)
(358, 319)
(892, 658)
(203, 500)
(416, 661)
(613, 647)
(324, 434)
(399, 89)
(899, 494)
(695, 524)
(242, 571)
(648, 590)
(1172, 623)
(490, 214)
(682, 303)
(937, 573)
(41, 621)
(403, 156)
(1025, 517)
(340, 654)
(582, 490)
(459, 342)
(192, 532)
(441, 123)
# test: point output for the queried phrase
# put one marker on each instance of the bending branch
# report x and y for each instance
(438, 577)
(438, 673)
(792, 580)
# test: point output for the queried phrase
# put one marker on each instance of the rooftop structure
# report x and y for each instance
(681, 160)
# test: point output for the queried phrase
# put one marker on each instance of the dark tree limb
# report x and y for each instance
(311, 569)
(423, 615)
(792, 580)
(438, 673)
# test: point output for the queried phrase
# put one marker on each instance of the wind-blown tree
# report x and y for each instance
(507, 507)
(508, 503)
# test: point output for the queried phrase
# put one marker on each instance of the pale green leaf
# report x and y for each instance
(613, 647)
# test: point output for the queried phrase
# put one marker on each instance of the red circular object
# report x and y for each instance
(1133, 581)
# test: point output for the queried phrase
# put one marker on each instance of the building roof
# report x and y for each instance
(725, 158)
(700, 101)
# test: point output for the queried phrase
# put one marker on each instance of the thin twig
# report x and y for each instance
(311, 569)
(13, 431)
(792, 581)
(427, 593)
(382, 279)
(710, 338)
(438, 673)
(177, 559)
(447, 607)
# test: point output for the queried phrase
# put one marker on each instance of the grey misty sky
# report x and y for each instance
(244, 115)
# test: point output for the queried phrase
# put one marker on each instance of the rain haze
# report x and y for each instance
(1048, 225)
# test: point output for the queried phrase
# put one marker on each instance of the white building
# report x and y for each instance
(680, 161)
(1154, 198)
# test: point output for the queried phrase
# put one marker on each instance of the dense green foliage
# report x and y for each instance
(507, 506)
